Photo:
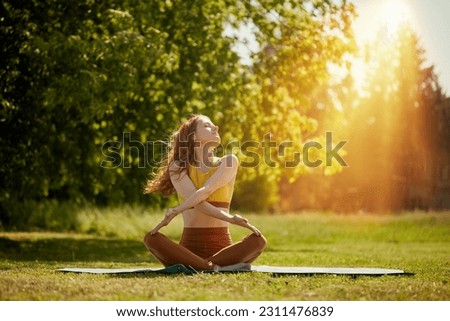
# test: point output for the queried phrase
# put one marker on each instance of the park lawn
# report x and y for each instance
(415, 242)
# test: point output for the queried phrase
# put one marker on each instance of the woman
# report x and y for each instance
(204, 184)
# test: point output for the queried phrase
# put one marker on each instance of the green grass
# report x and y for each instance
(415, 242)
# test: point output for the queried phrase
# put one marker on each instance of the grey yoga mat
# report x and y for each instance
(286, 270)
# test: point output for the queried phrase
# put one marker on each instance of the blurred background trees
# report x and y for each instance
(91, 90)
(398, 133)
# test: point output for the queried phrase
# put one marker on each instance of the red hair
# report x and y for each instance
(181, 152)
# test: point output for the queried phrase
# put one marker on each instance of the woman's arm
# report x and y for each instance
(186, 188)
(224, 174)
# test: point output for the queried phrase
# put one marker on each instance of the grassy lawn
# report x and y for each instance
(415, 242)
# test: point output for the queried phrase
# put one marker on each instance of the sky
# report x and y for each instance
(430, 19)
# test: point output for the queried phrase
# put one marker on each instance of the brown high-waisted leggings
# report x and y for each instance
(202, 248)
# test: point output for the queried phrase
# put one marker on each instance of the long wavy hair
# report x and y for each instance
(181, 152)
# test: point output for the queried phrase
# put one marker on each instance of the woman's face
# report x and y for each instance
(206, 131)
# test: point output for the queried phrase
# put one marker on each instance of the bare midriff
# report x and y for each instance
(194, 218)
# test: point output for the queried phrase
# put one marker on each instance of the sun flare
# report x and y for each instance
(379, 18)
(382, 16)
(393, 13)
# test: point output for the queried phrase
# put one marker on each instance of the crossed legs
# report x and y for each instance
(168, 252)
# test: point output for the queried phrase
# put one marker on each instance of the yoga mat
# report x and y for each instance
(325, 270)
(280, 270)
(177, 268)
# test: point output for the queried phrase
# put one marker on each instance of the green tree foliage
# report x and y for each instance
(300, 41)
(86, 81)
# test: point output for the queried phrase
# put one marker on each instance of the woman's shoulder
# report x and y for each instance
(229, 160)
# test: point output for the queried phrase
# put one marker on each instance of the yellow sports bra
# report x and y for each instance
(219, 198)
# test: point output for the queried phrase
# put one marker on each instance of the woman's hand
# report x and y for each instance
(170, 214)
(241, 221)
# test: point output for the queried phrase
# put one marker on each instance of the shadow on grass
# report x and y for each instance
(71, 250)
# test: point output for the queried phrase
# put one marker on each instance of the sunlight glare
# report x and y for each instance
(359, 75)
(392, 14)
(378, 18)
(382, 15)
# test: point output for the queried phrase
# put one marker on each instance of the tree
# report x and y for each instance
(299, 42)
(91, 83)
(397, 147)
